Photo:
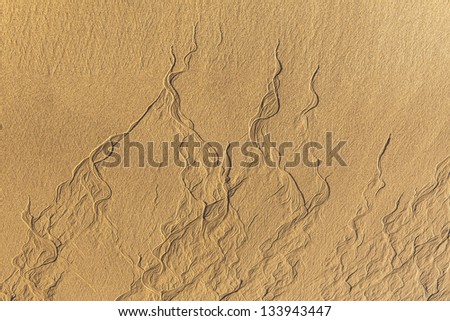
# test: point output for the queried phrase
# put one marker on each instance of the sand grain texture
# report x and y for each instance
(79, 79)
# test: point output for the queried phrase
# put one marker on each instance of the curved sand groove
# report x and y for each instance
(280, 253)
(303, 119)
(206, 232)
(207, 224)
(200, 256)
(78, 208)
(416, 237)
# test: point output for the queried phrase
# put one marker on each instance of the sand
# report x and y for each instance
(81, 80)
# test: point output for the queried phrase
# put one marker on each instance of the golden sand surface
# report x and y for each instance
(87, 83)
